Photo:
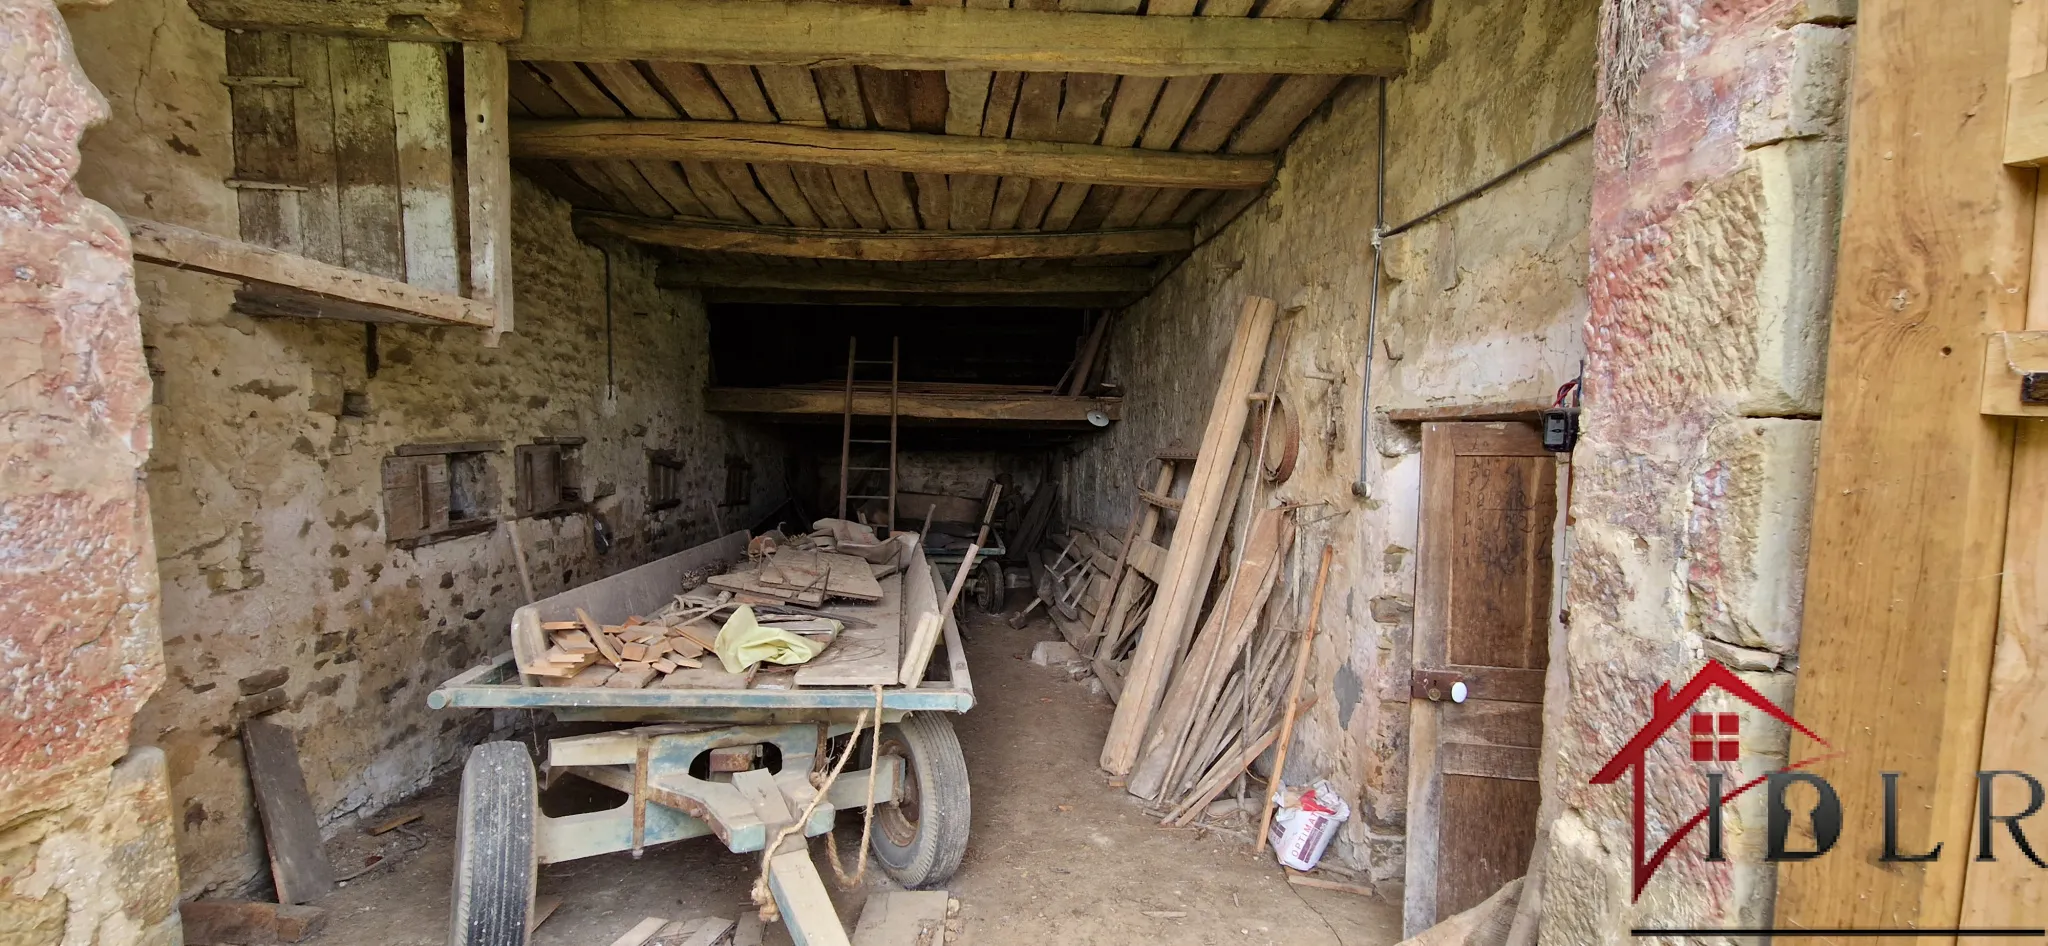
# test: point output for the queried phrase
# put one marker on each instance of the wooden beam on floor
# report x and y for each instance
(974, 300)
(831, 403)
(1022, 282)
(285, 284)
(902, 246)
(629, 139)
(465, 21)
(1903, 581)
(808, 33)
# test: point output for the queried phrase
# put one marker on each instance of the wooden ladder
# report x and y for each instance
(847, 469)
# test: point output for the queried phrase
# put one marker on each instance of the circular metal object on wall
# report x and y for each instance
(1283, 444)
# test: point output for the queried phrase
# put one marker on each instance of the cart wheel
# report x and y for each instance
(989, 591)
(921, 836)
(494, 853)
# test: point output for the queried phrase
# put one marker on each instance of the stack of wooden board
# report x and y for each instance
(585, 653)
(805, 576)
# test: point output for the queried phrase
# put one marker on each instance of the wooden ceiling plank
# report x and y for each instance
(928, 99)
(558, 180)
(1077, 279)
(974, 195)
(1177, 103)
(632, 90)
(966, 100)
(739, 179)
(713, 192)
(693, 90)
(1296, 9)
(668, 181)
(797, 32)
(1094, 209)
(1011, 193)
(583, 96)
(642, 195)
(887, 94)
(1083, 115)
(816, 183)
(859, 198)
(793, 93)
(1129, 205)
(915, 246)
(1163, 206)
(934, 200)
(839, 89)
(1037, 119)
(1230, 99)
(1129, 109)
(788, 194)
(742, 90)
(1292, 101)
(892, 192)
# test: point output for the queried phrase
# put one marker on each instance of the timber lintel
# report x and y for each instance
(902, 246)
(1020, 284)
(830, 404)
(464, 21)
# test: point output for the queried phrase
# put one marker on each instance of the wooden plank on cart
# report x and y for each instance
(839, 574)
(863, 656)
(298, 863)
(921, 619)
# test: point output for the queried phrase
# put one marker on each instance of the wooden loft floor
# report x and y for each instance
(843, 152)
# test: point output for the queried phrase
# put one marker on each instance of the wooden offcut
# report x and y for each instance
(298, 862)
(1173, 610)
(902, 246)
(813, 34)
(629, 139)
(1910, 503)
(318, 289)
(2026, 121)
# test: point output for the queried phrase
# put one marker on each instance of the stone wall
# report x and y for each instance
(86, 851)
(1482, 303)
(271, 434)
(1718, 161)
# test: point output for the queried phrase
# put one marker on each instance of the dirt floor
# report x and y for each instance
(1057, 855)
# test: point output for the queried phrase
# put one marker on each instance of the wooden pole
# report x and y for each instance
(846, 426)
(519, 558)
(1308, 637)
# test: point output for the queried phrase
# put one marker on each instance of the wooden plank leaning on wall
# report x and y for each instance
(1910, 511)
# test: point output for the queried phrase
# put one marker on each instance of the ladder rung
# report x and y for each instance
(870, 469)
(1163, 502)
(857, 496)
(865, 361)
(858, 440)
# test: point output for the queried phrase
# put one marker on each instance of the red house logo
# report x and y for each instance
(1716, 738)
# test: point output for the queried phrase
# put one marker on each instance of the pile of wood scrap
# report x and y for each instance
(1201, 695)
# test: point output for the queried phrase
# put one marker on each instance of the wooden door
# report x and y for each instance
(1482, 632)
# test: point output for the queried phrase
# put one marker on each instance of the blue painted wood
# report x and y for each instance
(495, 686)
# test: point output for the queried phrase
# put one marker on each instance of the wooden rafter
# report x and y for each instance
(473, 21)
(765, 142)
(824, 404)
(285, 284)
(924, 299)
(1023, 282)
(809, 34)
(894, 246)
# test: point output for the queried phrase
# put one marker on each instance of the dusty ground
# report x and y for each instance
(1057, 855)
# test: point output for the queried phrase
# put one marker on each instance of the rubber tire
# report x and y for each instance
(989, 593)
(937, 772)
(495, 861)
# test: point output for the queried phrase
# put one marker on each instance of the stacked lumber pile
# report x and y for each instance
(669, 649)
(1200, 695)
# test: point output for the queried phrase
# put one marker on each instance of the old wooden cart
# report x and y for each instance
(660, 757)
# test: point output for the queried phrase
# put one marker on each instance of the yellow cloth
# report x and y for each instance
(744, 642)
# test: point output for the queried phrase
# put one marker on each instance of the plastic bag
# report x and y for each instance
(744, 641)
(1304, 825)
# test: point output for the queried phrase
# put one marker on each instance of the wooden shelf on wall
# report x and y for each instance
(277, 283)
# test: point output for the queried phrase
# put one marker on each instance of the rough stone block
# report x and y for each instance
(1747, 534)
(1050, 653)
(1797, 219)
(1797, 86)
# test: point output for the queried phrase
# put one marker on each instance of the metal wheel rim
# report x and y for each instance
(899, 819)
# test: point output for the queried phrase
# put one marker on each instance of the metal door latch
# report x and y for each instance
(1438, 685)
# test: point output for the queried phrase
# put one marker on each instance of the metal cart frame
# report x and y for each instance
(652, 762)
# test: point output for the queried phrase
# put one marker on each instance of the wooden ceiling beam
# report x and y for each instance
(811, 34)
(902, 246)
(826, 402)
(1021, 282)
(464, 21)
(627, 139)
(948, 300)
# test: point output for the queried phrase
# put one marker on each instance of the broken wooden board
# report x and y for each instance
(902, 918)
(862, 656)
(837, 574)
(709, 677)
(747, 582)
(298, 863)
(922, 623)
